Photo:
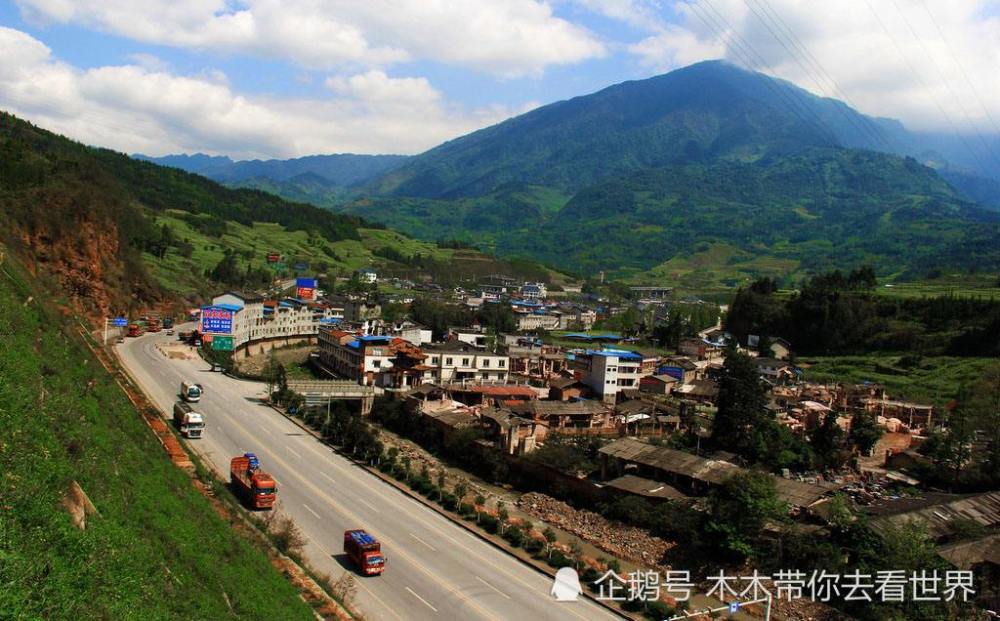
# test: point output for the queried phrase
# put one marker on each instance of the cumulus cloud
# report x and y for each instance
(509, 38)
(137, 108)
(907, 59)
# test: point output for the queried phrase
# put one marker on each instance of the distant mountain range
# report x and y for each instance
(710, 169)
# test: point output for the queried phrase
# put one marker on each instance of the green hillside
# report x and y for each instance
(709, 175)
(157, 550)
(117, 233)
(726, 223)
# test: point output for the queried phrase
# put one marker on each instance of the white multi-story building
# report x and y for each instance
(533, 291)
(456, 361)
(256, 319)
(609, 371)
(360, 358)
(534, 321)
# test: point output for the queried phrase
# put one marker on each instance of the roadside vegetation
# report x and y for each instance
(152, 546)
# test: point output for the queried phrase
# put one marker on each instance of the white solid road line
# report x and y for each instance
(328, 477)
(306, 507)
(426, 603)
(367, 504)
(293, 452)
(492, 587)
(432, 548)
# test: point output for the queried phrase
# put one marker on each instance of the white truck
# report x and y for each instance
(190, 391)
(191, 424)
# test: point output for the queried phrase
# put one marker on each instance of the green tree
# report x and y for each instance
(827, 442)
(865, 432)
(741, 410)
(738, 511)
(550, 539)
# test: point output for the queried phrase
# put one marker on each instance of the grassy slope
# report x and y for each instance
(184, 275)
(935, 380)
(158, 551)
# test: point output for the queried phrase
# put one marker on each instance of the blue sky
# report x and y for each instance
(270, 78)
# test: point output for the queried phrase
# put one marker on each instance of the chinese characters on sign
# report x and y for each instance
(818, 586)
(305, 288)
(216, 320)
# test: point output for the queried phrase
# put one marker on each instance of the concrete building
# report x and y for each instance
(533, 291)
(457, 361)
(368, 275)
(258, 320)
(609, 371)
(534, 321)
(360, 358)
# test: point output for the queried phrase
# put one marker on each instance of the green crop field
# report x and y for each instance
(932, 379)
(157, 550)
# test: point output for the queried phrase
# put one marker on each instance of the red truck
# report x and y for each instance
(256, 487)
(364, 551)
(135, 330)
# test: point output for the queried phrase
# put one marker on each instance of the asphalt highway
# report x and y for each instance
(434, 570)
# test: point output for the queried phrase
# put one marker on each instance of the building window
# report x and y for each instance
(502, 363)
(486, 363)
(465, 362)
(434, 359)
(448, 361)
(376, 363)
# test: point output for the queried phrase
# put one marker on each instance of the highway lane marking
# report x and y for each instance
(426, 603)
(492, 587)
(293, 452)
(432, 548)
(306, 507)
(370, 483)
(394, 499)
(328, 477)
(400, 550)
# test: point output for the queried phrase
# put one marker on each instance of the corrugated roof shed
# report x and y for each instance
(646, 487)
(983, 509)
(711, 471)
(967, 554)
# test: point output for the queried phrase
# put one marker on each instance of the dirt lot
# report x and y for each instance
(288, 356)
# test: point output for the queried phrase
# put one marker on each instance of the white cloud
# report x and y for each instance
(137, 109)
(882, 71)
(509, 38)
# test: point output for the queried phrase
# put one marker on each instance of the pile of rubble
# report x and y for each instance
(625, 542)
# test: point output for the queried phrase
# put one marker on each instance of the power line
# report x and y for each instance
(923, 83)
(872, 129)
(965, 76)
(947, 84)
(762, 17)
(752, 59)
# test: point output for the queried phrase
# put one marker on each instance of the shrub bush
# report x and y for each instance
(534, 546)
(659, 610)
(515, 536)
(558, 559)
(449, 501)
(589, 576)
(466, 509)
(490, 523)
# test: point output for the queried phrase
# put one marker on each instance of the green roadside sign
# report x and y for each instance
(222, 343)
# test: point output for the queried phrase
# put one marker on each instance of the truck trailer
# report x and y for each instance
(190, 391)
(364, 551)
(191, 424)
(256, 487)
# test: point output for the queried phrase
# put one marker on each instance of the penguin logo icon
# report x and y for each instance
(566, 587)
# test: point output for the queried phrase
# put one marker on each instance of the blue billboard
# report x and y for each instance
(119, 322)
(674, 372)
(215, 320)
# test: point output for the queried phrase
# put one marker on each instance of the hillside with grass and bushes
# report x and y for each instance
(710, 173)
(152, 547)
(118, 234)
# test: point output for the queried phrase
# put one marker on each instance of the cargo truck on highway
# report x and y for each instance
(255, 486)
(191, 424)
(135, 329)
(364, 551)
(190, 391)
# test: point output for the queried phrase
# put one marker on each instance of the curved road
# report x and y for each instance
(435, 569)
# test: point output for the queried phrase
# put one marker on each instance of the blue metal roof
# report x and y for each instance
(229, 307)
(373, 338)
(621, 354)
